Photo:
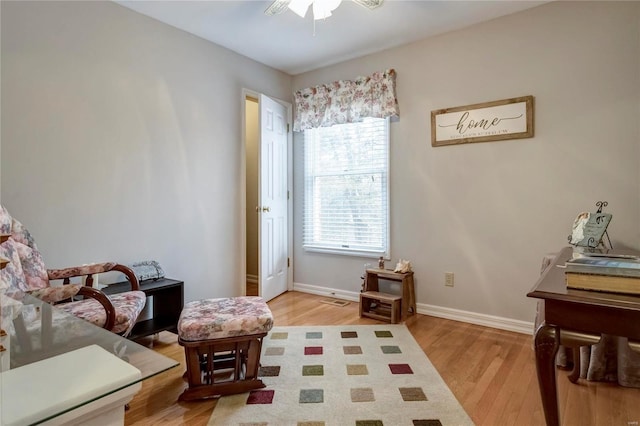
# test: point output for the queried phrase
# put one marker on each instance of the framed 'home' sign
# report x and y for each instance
(488, 121)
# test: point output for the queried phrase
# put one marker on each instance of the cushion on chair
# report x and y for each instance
(227, 317)
(22, 234)
(35, 273)
(5, 221)
(128, 306)
(12, 276)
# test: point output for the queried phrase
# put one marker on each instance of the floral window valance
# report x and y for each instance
(346, 101)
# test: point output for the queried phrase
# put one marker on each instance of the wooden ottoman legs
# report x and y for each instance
(222, 366)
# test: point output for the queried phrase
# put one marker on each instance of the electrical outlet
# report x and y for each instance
(448, 279)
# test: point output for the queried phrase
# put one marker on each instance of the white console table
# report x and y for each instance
(65, 371)
(61, 384)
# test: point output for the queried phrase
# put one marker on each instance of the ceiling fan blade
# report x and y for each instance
(277, 7)
(369, 4)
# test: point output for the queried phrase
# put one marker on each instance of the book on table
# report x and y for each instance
(605, 283)
(628, 265)
(609, 274)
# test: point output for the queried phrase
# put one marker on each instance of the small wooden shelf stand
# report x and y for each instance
(168, 300)
(380, 306)
(407, 300)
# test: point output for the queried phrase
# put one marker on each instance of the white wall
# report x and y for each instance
(121, 140)
(489, 211)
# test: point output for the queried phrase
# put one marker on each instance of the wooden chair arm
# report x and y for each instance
(95, 268)
(131, 276)
(101, 298)
(56, 294)
(80, 271)
(53, 295)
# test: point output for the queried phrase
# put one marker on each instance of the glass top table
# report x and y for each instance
(57, 363)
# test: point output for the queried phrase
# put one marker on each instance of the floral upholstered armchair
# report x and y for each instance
(26, 273)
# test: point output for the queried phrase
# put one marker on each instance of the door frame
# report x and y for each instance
(243, 190)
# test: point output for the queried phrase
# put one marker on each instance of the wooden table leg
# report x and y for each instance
(371, 282)
(575, 370)
(412, 295)
(408, 296)
(546, 348)
(405, 300)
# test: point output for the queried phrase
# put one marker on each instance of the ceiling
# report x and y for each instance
(294, 45)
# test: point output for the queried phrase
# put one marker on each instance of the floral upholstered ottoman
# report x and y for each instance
(222, 339)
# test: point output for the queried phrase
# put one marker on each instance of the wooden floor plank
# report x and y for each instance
(491, 372)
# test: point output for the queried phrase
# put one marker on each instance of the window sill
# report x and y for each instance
(347, 252)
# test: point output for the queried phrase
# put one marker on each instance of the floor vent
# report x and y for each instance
(335, 302)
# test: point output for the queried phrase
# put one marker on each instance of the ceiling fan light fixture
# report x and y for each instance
(322, 8)
(331, 4)
(300, 7)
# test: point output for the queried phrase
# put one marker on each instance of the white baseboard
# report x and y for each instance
(253, 279)
(326, 291)
(492, 321)
(500, 323)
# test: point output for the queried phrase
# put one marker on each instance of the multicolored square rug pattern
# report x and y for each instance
(365, 375)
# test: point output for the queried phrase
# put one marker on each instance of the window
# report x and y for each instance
(346, 188)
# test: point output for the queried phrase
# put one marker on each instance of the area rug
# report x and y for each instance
(365, 375)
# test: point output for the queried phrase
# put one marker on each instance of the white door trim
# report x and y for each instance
(243, 190)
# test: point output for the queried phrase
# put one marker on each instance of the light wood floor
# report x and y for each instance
(491, 372)
(252, 289)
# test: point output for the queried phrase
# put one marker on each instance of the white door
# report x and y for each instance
(272, 199)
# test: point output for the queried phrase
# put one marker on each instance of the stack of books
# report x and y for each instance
(609, 273)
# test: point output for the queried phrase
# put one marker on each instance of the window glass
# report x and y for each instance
(346, 204)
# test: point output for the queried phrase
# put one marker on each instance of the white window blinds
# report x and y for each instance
(346, 188)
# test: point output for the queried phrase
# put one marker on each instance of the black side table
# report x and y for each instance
(167, 299)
